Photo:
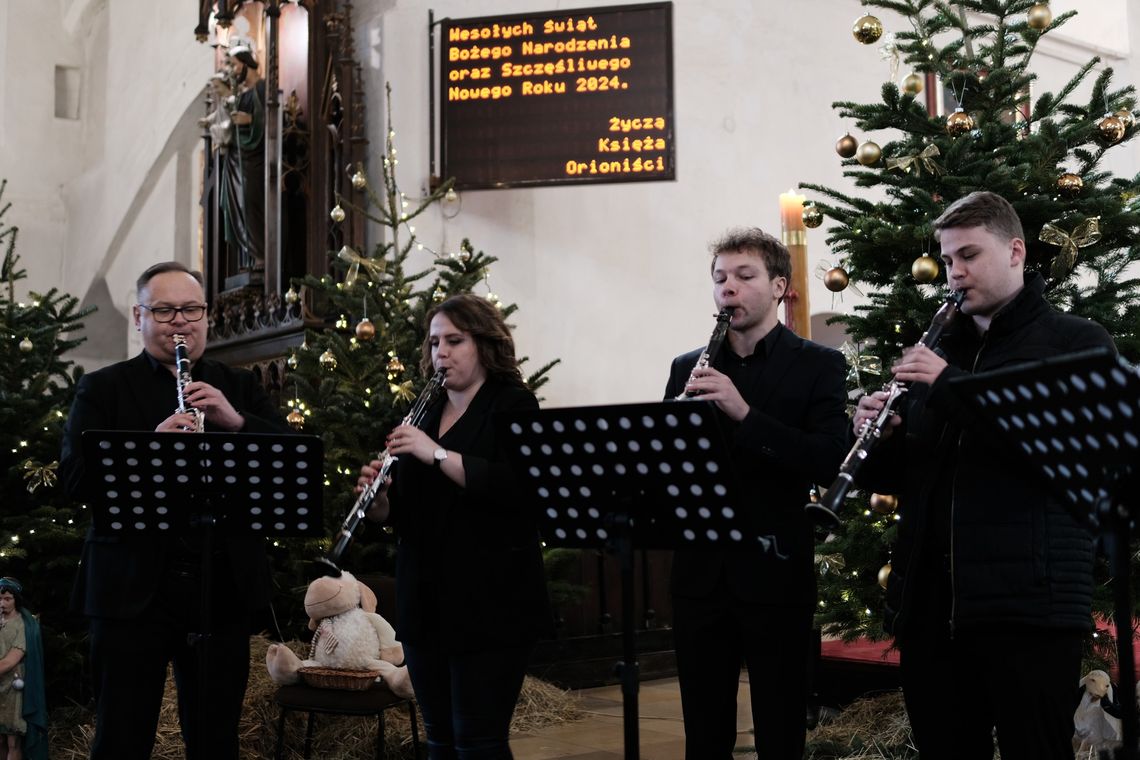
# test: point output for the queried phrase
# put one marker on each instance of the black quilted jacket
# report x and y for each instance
(1017, 556)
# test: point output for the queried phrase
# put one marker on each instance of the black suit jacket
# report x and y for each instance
(793, 436)
(119, 575)
(469, 570)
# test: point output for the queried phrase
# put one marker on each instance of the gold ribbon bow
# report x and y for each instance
(829, 562)
(402, 391)
(858, 362)
(373, 267)
(1085, 234)
(919, 161)
(40, 474)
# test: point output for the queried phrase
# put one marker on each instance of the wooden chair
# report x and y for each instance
(375, 700)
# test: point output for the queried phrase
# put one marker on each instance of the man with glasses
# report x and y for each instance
(142, 594)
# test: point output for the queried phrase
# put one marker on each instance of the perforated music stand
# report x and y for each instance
(635, 476)
(179, 483)
(1076, 419)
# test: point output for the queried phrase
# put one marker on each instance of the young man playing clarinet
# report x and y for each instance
(781, 403)
(991, 584)
(141, 593)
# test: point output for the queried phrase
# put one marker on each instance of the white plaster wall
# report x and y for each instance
(3, 71)
(614, 278)
(102, 195)
(155, 73)
(38, 152)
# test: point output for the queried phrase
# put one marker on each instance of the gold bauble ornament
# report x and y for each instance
(337, 214)
(296, 420)
(1070, 185)
(867, 29)
(884, 574)
(291, 296)
(959, 123)
(812, 216)
(924, 269)
(328, 360)
(846, 146)
(1039, 16)
(836, 279)
(884, 504)
(365, 330)
(1111, 129)
(359, 180)
(913, 83)
(291, 362)
(1126, 118)
(395, 366)
(869, 153)
(26, 344)
(439, 295)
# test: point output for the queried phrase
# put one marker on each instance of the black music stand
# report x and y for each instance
(182, 483)
(645, 476)
(1076, 419)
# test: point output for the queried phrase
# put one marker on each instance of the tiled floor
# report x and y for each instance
(601, 736)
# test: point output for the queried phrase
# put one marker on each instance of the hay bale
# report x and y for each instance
(73, 728)
(871, 728)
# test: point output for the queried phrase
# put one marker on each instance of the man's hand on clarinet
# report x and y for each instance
(918, 364)
(868, 409)
(717, 387)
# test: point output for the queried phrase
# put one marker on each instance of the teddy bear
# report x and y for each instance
(1097, 719)
(347, 635)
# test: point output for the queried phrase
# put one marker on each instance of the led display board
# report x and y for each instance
(565, 97)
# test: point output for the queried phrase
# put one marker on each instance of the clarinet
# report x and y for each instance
(825, 511)
(182, 375)
(723, 317)
(415, 417)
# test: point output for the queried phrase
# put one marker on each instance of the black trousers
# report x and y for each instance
(1023, 683)
(129, 661)
(467, 698)
(713, 636)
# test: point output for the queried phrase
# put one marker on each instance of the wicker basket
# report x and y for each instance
(333, 678)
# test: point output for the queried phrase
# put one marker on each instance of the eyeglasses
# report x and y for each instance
(166, 313)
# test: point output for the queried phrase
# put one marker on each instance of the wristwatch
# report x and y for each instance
(438, 457)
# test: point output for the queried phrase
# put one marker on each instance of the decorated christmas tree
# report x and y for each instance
(1043, 152)
(40, 532)
(355, 380)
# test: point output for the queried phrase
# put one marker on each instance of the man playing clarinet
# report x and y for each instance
(780, 401)
(990, 591)
(142, 594)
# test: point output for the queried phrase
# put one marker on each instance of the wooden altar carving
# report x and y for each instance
(311, 134)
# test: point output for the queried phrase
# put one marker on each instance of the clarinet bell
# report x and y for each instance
(323, 566)
(825, 512)
(822, 515)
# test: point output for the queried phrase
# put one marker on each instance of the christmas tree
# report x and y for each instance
(1042, 153)
(355, 380)
(40, 532)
